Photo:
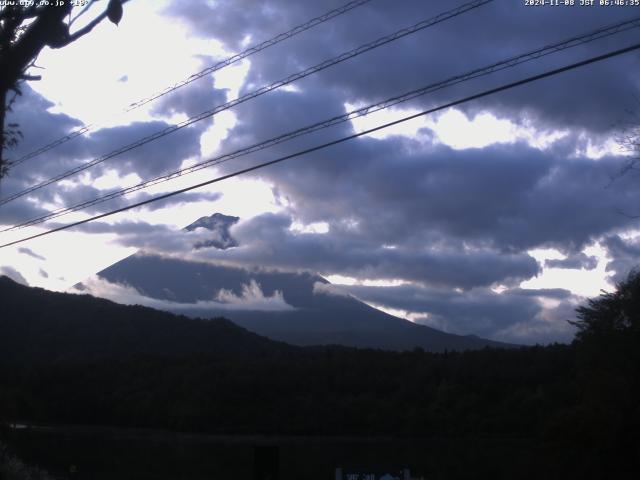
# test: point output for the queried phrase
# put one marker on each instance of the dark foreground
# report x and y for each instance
(124, 454)
(561, 411)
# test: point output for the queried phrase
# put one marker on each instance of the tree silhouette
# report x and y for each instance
(608, 338)
(612, 315)
(25, 29)
(608, 362)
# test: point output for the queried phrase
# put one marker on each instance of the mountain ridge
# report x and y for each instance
(39, 325)
(318, 317)
(218, 224)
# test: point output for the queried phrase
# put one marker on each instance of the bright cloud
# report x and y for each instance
(252, 298)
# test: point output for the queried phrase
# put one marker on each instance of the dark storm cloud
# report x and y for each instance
(23, 209)
(125, 228)
(598, 96)
(128, 227)
(83, 193)
(417, 196)
(268, 241)
(39, 126)
(624, 255)
(183, 198)
(510, 197)
(284, 111)
(578, 261)
(358, 82)
(13, 274)
(151, 159)
(16, 213)
(190, 100)
(78, 193)
(141, 235)
(31, 253)
(553, 293)
(513, 315)
(142, 196)
(457, 312)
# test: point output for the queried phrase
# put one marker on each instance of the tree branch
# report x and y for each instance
(84, 10)
(24, 32)
(30, 78)
(90, 26)
(86, 29)
(25, 12)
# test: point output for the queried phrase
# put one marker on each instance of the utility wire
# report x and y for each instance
(256, 93)
(196, 76)
(363, 111)
(300, 153)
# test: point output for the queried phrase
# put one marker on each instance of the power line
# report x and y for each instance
(196, 76)
(256, 93)
(501, 65)
(338, 141)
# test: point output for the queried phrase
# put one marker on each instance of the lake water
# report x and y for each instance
(109, 454)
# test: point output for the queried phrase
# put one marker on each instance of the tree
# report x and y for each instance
(612, 315)
(609, 329)
(608, 365)
(24, 31)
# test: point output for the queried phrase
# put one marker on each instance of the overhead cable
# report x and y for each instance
(196, 76)
(360, 112)
(334, 142)
(256, 93)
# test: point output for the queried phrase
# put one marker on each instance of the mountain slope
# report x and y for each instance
(37, 325)
(315, 317)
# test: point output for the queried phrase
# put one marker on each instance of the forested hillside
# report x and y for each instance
(78, 360)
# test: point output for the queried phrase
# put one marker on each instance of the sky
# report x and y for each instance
(494, 218)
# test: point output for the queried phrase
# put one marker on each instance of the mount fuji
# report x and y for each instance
(300, 308)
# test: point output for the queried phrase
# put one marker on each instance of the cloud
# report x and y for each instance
(13, 274)
(577, 262)
(40, 126)
(218, 226)
(512, 196)
(550, 293)
(624, 255)
(550, 325)
(31, 253)
(157, 237)
(320, 288)
(17, 212)
(598, 93)
(191, 100)
(268, 241)
(251, 298)
(516, 315)
(159, 156)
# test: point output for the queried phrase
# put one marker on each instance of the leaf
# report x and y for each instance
(114, 11)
